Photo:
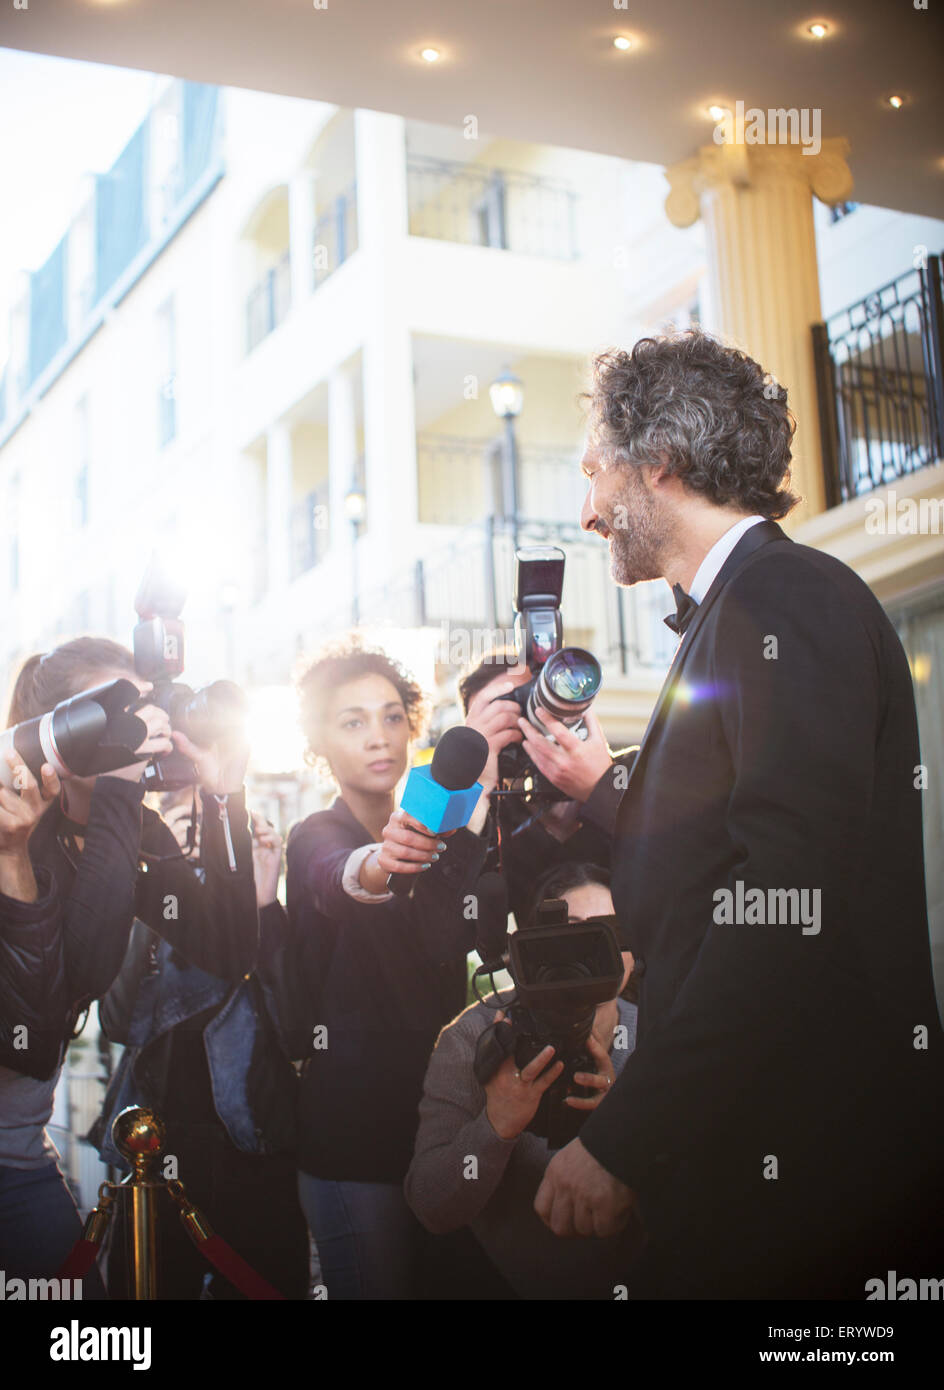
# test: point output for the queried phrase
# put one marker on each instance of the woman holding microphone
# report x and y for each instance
(380, 974)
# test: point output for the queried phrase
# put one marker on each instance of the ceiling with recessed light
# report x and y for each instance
(549, 70)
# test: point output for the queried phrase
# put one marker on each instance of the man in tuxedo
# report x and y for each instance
(774, 1129)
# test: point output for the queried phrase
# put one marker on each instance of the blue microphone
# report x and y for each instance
(443, 795)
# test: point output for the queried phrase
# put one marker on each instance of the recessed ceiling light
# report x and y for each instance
(622, 42)
(897, 101)
(430, 55)
(818, 30)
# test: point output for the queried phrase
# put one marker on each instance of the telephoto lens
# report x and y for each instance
(565, 686)
(87, 734)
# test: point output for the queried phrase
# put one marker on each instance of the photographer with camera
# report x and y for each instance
(528, 836)
(111, 861)
(502, 1123)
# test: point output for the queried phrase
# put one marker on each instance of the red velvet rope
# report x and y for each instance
(81, 1257)
(79, 1260)
(235, 1268)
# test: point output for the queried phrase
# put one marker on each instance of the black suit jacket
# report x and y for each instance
(776, 1085)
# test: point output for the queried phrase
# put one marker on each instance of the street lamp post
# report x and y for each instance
(507, 397)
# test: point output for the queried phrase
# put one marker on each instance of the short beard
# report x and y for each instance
(637, 546)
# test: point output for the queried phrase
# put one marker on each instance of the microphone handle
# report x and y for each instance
(401, 884)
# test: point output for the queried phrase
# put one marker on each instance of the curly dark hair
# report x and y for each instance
(345, 659)
(707, 410)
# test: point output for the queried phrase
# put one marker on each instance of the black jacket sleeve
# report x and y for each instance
(439, 914)
(99, 908)
(33, 1002)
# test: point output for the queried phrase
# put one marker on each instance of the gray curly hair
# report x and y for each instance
(708, 411)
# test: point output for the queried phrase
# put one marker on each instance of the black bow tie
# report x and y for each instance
(685, 607)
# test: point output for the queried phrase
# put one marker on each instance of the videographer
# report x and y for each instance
(460, 1119)
(381, 973)
(112, 861)
(525, 841)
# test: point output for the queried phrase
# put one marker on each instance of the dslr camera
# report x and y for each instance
(564, 680)
(561, 971)
(215, 713)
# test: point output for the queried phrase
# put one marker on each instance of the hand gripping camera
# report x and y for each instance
(564, 680)
(562, 970)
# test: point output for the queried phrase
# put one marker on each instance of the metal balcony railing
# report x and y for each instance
(500, 208)
(880, 384)
(460, 480)
(308, 534)
(268, 302)
(335, 236)
(466, 589)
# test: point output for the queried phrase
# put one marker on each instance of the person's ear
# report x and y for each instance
(656, 475)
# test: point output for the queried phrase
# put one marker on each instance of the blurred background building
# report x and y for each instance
(327, 362)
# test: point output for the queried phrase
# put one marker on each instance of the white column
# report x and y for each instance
(278, 503)
(389, 421)
(756, 203)
(301, 222)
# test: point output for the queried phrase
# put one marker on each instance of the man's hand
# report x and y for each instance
(497, 719)
(578, 1197)
(573, 765)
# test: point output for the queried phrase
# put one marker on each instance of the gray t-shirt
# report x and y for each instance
(498, 1201)
(25, 1108)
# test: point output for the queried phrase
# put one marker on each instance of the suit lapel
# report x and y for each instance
(753, 539)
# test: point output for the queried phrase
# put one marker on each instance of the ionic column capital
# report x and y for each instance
(825, 173)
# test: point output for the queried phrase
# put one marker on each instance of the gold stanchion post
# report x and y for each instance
(139, 1135)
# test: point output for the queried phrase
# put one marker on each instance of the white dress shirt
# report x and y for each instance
(710, 567)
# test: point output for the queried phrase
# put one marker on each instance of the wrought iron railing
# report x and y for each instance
(335, 235)
(880, 383)
(268, 302)
(308, 531)
(501, 208)
(460, 480)
(465, 588)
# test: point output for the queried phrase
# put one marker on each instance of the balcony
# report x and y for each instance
(268, 302)
(880, 385)
(465, 588)
(460, 480)
(500, 208)
(335, 236)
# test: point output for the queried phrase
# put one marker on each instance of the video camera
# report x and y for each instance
(564, 680)
(215, 713)
(561, 970)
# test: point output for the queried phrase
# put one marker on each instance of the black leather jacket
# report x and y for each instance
(33, 1002)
